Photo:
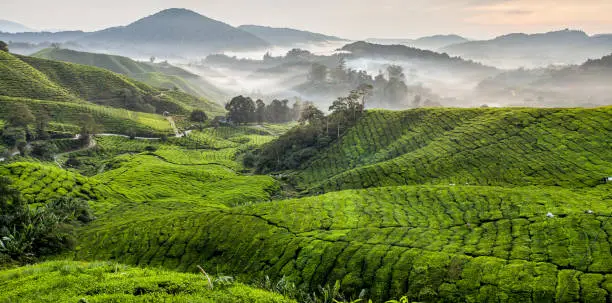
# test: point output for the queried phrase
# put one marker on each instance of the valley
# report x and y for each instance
(160, 162)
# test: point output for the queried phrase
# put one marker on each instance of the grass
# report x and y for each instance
(66, 281)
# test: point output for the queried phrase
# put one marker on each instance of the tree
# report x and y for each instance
(4, 46)
(152, 59)
(395, 91)
(88, 126)
(198, 115)
(42, 122)
(240, 109)
(20, 116)
(260, 111)
(416, 102)
(318, 73)
(311, 115)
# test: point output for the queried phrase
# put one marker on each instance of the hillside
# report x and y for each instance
(41, 37)
(162, 32)
(425, 58)
(556, 147)
(160, 75)
(7, 26)
(41, 79)
(117, 64)
(577, 85)
(65, 281)
(434, 204)
(286, 36)
(534, 50)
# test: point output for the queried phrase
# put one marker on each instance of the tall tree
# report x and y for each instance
(20, 115)
(318, 73)
(260, 111)
(311, 115)
(3, 46)
(240, 109)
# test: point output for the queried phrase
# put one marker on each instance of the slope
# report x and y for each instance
(286, 36)
(65, 281)
(161, 75)
(504, 147)
(13, 27)
(162, 32)
(29, 77)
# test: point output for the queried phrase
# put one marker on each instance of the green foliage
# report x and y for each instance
(33, 232)
(39, 183)
(65, 115)
(509, 147)
(67, 281)
(426, 242)
(30, 77)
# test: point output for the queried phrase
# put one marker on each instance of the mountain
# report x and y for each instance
(13, 27)
(577, 85)
(162, 75)
(286, 36)
(174, 32)
(533, 50)
(40, 37)
(433, 43)
(437, 42)
(404, 53)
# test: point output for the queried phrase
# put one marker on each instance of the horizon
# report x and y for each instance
(470, 18)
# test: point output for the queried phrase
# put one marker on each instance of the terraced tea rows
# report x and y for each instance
(565, 147)
(108, 119)
(454, 243)
(40, 183)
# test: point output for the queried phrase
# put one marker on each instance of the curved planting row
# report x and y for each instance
(40, 183)
(517, 147)
(476, 244)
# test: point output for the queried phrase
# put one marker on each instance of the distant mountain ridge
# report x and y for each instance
(287, 36)
(7, 26)
(179, 30)
(433, 43)
(532, 50)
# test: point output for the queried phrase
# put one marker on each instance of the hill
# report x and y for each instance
(286, 36)
(579, 85)
(556, 147)
(7, 26)
(65, 281)
(391, 223)
(41, 37)
(534, 50)
(164, 31)
(432, 43)
(437, 42)
(30, 77)
(160, 75)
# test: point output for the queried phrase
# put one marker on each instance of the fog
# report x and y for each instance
(441, 84)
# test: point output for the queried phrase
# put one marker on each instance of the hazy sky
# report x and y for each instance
(356, 19)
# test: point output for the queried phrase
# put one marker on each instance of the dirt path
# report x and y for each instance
(177, 133)
(92, 144)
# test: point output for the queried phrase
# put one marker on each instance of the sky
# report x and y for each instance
(352, 19)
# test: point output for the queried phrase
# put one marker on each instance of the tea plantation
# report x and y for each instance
(434, 205)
